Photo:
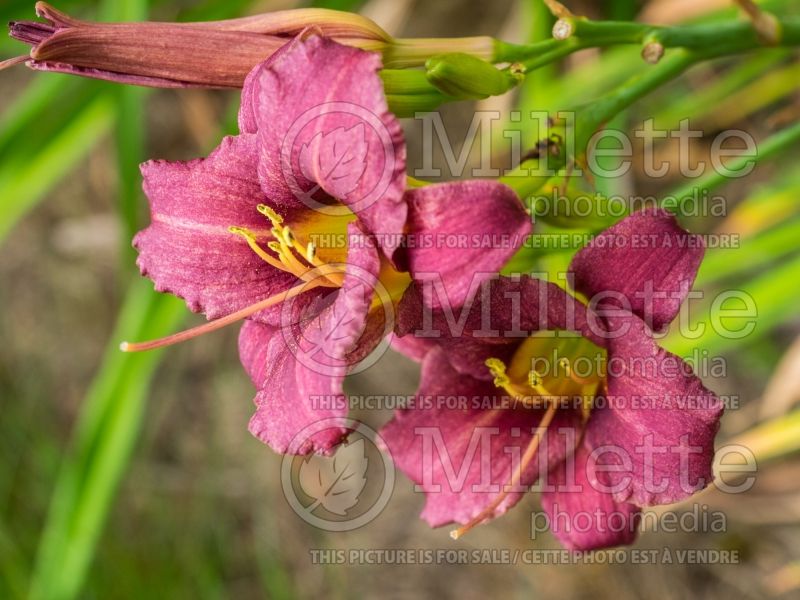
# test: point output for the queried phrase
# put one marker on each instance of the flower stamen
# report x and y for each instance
(531, 394)
(251, 240)
(535, 382)
(564, 364)
(290, 255)
(516, 475)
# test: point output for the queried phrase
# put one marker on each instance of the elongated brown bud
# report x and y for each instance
(208, 54)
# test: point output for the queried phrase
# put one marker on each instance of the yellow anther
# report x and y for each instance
(498, 370)
(311, 252)
(501, 381)
(245, 233)
(534, 379)
(535, 382)
(564, 364)
(274, 246)
(274, 217)
(288, 236)
(252, 241)
(495, 365)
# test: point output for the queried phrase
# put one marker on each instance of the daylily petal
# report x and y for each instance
(308, 359)
(658, 416)
(254, 339)
(647, 258)
(248, 122)
(501, 308)
(468, 355)
(582, 515)
(502, 313)
(462, 458)
(463, 233)
(323, 124)
(188, 250)
(413, 347)
(293, 397)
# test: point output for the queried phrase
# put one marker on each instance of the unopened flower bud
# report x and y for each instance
(208, 54)
(465, 76)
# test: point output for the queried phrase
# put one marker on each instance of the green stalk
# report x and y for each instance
(594, 115)
(765, 248)
(774, 297)
(106, 433)
(23, 185)
(711, 39)
(778, 142)
(773, 439)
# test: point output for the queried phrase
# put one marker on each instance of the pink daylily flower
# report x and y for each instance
(638, 432)
(296, 222)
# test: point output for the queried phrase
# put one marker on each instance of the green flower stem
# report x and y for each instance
(531, 175)
(413, 52)
(505, 52)
(603, 109)
(537, 84)
(691, 43)
(709, 39)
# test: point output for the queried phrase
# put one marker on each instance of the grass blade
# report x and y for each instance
(25, 181)
(104, 439)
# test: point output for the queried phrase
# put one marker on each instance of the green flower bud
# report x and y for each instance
(464, 76)
(408, 91)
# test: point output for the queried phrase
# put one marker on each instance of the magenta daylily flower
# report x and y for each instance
(300, 223)
(633, 427)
